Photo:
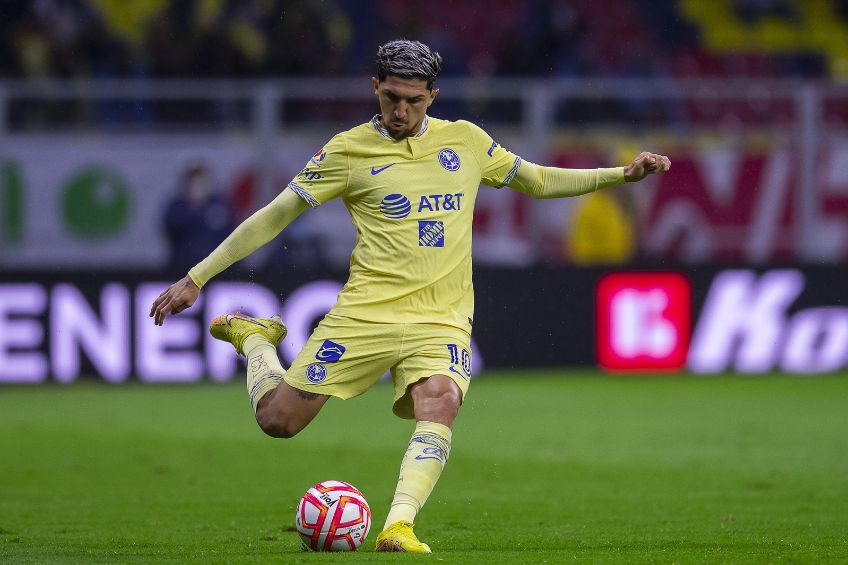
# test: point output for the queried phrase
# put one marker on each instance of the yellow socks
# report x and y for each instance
(422, 464)
(264, 371)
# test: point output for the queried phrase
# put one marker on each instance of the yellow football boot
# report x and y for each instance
(400, 537)
(235, 328)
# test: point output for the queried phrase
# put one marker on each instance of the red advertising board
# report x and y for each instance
(643, 321)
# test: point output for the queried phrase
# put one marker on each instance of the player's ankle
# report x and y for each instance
(253, 341)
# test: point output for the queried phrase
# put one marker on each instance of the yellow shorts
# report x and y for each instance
(345, 357)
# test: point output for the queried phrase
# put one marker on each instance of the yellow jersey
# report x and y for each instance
(411, 202)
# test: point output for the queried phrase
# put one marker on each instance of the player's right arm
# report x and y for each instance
(257, 230)
(250, 235)
(324, 177)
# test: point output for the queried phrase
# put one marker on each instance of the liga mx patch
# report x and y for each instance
(431, 233)
(330, 351)
(319, 157)
(316, 373)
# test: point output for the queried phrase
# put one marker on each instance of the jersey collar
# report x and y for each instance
(378, 125)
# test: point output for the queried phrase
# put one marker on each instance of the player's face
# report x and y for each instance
(403, 104)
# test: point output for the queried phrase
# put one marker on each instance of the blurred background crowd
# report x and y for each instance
(262, 38)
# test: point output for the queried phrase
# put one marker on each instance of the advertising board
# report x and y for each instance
(706, 321)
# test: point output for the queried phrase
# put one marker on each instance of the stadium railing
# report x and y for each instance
(542, 117)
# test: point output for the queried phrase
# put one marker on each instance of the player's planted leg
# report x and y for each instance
(436, 401)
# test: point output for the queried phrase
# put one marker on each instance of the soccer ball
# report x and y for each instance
(333, 516)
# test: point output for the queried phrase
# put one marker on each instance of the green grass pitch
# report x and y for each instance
(556, 467)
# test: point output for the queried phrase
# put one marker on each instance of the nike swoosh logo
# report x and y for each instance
(458, 373)
(231, 317)
(381, 169)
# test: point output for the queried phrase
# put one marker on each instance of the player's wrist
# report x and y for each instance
(194, 278)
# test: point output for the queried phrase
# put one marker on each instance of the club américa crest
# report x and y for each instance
(449, 159)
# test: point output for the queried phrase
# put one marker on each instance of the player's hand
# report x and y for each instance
(174, 300)
(645, 164)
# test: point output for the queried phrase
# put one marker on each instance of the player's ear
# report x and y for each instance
(375, 83)
(433, 93)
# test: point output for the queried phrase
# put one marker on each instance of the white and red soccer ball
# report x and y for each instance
(333, 516)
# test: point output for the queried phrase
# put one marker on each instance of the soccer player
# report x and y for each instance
(409, 181)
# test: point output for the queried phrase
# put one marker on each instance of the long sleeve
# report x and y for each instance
(552, 182)
(250, 235)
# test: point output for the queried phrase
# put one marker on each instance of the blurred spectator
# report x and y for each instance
(752, 10)
(197, 219)
(600, 231)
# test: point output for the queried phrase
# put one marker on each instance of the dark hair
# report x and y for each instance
(408, 59)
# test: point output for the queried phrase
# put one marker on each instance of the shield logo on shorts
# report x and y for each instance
(330, 351)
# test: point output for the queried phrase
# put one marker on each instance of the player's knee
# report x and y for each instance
(437, 399)
(450, 401)
(278, 424)
(443, 390)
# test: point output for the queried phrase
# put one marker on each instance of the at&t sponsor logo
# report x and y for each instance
(395, 206)
(398, 206)
(440, 202)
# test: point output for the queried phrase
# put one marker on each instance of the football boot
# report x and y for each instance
(400, 537)
(235, 328)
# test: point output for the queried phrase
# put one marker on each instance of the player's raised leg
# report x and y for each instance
(436, 401)
(286, 410)
(281, 411)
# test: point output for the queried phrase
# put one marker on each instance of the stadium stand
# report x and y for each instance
(201, 39)
(224, 38)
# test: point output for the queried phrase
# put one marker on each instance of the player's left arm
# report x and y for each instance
(553, 182)
(500, 167)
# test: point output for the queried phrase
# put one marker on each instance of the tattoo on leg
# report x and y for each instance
(306, 395)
